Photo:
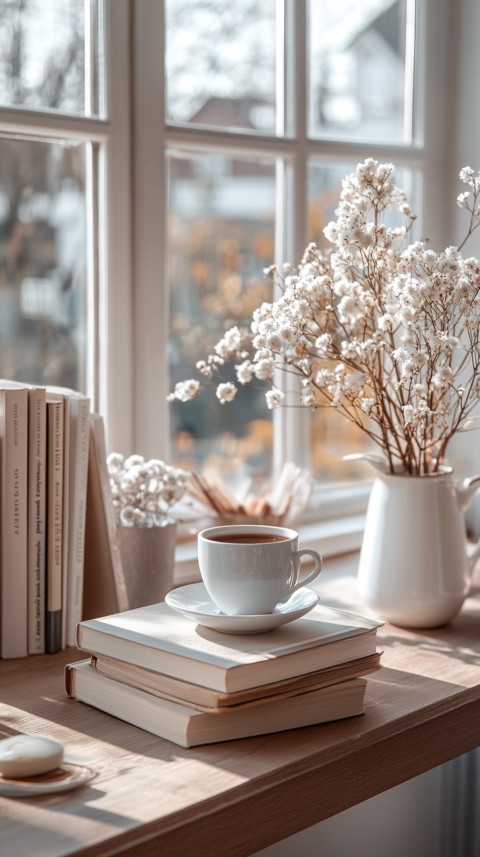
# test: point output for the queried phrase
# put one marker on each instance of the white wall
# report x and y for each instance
(465, 148)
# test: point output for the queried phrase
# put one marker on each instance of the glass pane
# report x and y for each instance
(42, 262)
(357, 55)
(44, 55)
(324, 188)
(221, 237)
(332, 435)
(220, 63)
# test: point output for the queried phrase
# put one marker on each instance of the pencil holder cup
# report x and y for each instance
(148, 557)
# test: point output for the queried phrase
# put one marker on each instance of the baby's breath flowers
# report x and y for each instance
(385, 332)
(143, 491)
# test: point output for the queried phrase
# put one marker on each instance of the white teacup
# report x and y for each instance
(248, 569)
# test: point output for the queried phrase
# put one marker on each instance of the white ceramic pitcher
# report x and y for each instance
(414, 568)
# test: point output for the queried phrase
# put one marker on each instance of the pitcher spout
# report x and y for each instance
(377, 462)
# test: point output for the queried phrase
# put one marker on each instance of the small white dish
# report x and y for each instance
(63, 779)
(194, 602)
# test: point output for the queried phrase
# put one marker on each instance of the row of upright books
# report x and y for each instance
(44, 437)
(48, 441)
(156, 670)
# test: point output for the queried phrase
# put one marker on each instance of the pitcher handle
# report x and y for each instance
(472, 481)
(465, 493)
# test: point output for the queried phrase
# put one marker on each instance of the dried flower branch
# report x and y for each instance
(385, 332)
(143, 491)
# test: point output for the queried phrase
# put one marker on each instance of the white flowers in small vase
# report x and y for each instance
(144, 491)
(385, 332)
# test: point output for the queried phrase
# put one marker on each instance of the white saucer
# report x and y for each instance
(63, 779)
(194, 602)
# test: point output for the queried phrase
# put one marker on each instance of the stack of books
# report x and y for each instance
(56, 519)
(157, 670)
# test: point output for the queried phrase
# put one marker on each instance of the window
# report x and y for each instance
(61, 147)
(157, 155)
(268, 106)
(43, 192)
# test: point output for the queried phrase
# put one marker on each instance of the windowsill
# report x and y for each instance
(331, 537)
(336, 502)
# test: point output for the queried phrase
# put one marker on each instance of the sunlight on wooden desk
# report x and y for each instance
(152, 797)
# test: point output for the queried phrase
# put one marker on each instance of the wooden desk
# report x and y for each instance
(151, 797)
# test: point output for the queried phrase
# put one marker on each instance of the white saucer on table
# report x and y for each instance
(194, 602)
(63, 779)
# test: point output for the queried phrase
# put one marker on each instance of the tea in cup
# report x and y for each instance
(248, 569)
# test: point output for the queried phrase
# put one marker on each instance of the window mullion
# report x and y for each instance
(410, 54)
(291, 438)
(151, 321)
(95, 274)
(299, 229)
(114, 365)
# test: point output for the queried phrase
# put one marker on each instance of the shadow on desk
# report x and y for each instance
(417, 676)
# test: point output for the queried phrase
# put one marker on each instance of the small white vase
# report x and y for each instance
(414, 569)
(148, 558)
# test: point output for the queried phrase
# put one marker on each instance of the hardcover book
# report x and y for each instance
(188, 726)
(36, 536)
(76, 472)
(13, 520)
(55, 522)
(157, 638)
(204, 698)
(104, 588)
(63, 400)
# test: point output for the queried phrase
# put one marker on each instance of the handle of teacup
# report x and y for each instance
(303, 578)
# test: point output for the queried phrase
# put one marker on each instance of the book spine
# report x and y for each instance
(37, 448)
(66, 500)
(14, 467)
(79, 443)
(54, 545)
